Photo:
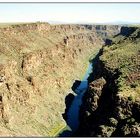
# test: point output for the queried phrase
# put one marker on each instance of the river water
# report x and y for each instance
(73, 112)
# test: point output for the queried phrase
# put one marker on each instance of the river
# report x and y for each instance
(73, 112)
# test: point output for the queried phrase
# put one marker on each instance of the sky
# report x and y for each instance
(70, 12)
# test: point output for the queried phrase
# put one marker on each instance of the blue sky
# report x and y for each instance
(70, 13)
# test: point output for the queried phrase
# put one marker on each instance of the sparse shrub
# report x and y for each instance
(130, 98)
(131, 120)
(29, 78)
(133, 85)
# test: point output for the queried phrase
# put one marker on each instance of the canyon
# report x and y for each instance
(39, 64)
(110, 105)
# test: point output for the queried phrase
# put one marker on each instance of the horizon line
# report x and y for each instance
(63, 22)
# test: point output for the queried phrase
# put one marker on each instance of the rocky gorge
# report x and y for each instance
(110, 105)
(39, 63)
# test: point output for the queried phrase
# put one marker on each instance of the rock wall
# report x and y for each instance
(105, 31)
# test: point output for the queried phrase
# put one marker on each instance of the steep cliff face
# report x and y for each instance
(38, 64)
(105, 31)
(111, 104)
